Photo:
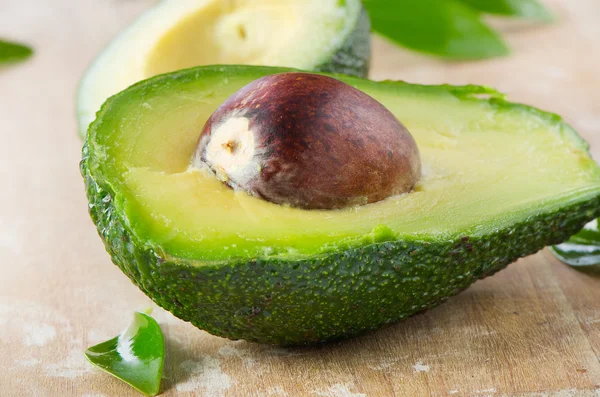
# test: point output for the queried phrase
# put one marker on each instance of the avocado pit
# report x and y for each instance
(308, 141)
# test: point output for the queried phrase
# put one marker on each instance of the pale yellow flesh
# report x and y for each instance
(268, 32)
(178, 34)
(482, 168)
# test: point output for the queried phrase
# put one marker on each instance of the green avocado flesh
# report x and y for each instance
(500, 181)
(319, 35)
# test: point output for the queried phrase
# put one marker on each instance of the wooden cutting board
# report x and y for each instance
(531, 330)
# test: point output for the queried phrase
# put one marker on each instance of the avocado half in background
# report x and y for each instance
(317, 35)
(499, 181)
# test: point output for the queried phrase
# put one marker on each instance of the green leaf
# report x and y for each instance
(446, 28)
(582, 251)
(528, 9)
(136, 356)
(13, 52)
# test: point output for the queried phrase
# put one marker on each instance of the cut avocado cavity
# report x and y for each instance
(321, 35)
(499, 181)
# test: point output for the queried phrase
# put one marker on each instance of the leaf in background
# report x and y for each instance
(13, 52)
(529, 9)
(447, 28)
(582, 251)
(136, 356)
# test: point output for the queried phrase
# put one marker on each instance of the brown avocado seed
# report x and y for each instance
(308, 141)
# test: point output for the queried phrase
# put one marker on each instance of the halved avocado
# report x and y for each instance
(319, 35)
(500, 181)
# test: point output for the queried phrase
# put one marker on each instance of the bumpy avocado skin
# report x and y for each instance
(354, 56)
(320, 299)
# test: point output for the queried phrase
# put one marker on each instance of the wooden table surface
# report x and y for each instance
(531, 330)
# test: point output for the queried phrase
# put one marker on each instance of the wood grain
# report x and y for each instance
(531, 330)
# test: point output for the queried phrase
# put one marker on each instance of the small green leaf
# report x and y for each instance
(13, 52)
(528, 9)
(446, 28)
(582, 251)
(136, 356)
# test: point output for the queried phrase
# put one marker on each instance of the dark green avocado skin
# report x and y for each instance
(354, 56)
(320, 299)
